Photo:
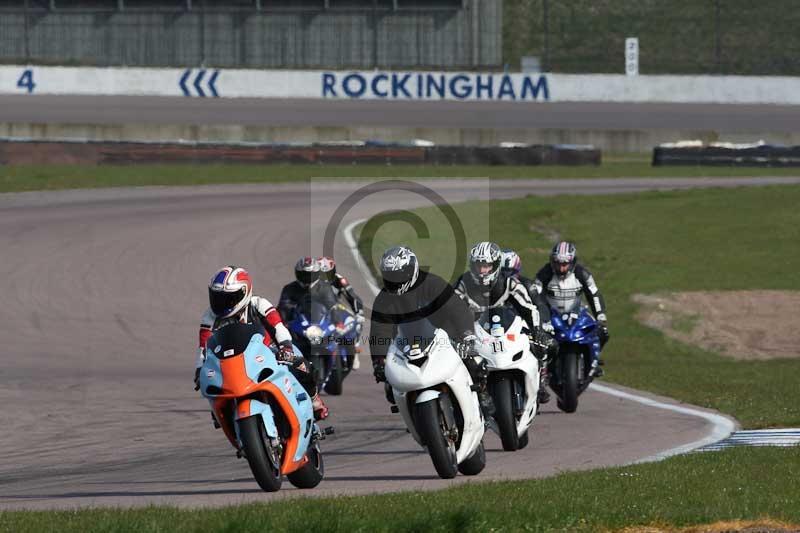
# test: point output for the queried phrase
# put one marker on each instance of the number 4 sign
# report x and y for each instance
(26, 81)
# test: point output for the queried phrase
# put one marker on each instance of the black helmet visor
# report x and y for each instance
(222, 302)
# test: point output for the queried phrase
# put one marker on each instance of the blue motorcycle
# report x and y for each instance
(327, 338)
(578, 346)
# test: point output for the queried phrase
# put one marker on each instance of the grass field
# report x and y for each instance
(694, 489)
(746, 238)
(30, 178)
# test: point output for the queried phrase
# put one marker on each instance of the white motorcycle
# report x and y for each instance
(513, 373)
(432, 390)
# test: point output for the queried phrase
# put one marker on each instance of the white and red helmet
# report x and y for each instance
(229, 291)
(327, 268)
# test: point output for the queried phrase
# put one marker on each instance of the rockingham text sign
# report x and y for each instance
(434, 86)
(210, 83)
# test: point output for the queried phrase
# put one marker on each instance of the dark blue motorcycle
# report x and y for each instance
(578, 346)
(327, 337)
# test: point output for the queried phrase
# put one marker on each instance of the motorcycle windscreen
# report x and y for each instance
(232, 339)
(417, 334)
(339, 314)
(504, 316)
(314, 309)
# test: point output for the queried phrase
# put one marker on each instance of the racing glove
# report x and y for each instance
(466, 346)
(379, 370)
(285, 354)
(543, 345)
(602, 328)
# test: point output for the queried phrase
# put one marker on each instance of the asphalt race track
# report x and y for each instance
(306, 112)
(102, 293)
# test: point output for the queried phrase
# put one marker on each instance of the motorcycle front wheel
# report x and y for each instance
(435, 434)
(502, 392)
(263, 461)
(570, 381)
(475, 463)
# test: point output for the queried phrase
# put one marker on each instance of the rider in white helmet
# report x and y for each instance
(563, 281)
(485, 286)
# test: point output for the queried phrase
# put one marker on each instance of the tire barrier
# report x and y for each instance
(726, 155)
(20, 152)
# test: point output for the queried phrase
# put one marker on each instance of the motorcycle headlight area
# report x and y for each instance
(416, 355)
(343, 328)
(314, 334)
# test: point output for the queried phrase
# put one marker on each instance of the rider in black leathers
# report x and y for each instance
(307, 287)
(410, 294)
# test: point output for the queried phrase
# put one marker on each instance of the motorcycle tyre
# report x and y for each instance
(570, 382)
(310, 474)
(252, 434)
(475, 463)
(429, 421)
(502, 390)
(336, 378)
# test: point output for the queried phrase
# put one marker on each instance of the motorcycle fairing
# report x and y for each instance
(237, 377)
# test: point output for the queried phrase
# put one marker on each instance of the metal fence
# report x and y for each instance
(753, 37)
(331, 34)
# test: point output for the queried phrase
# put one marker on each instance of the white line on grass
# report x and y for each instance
(721, 428)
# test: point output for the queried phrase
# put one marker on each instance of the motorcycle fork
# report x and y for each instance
(517, 397)
(449, 414)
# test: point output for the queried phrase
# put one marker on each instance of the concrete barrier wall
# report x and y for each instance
(399, 85)
(607, 140)
(126, 153)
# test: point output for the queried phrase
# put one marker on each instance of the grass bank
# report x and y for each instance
(711, 239)
(702, 488)
(52, 177)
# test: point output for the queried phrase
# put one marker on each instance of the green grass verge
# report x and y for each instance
(51, 177)
(694, 489)
(711, 239)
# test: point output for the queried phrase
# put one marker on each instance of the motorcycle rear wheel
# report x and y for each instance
(431, 427)
(310, 474)
(254, 445)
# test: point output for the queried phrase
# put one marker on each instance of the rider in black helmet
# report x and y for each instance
(306, 286)
(411, 294)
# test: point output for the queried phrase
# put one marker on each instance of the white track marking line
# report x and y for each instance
(353, 246)
(722, 427)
